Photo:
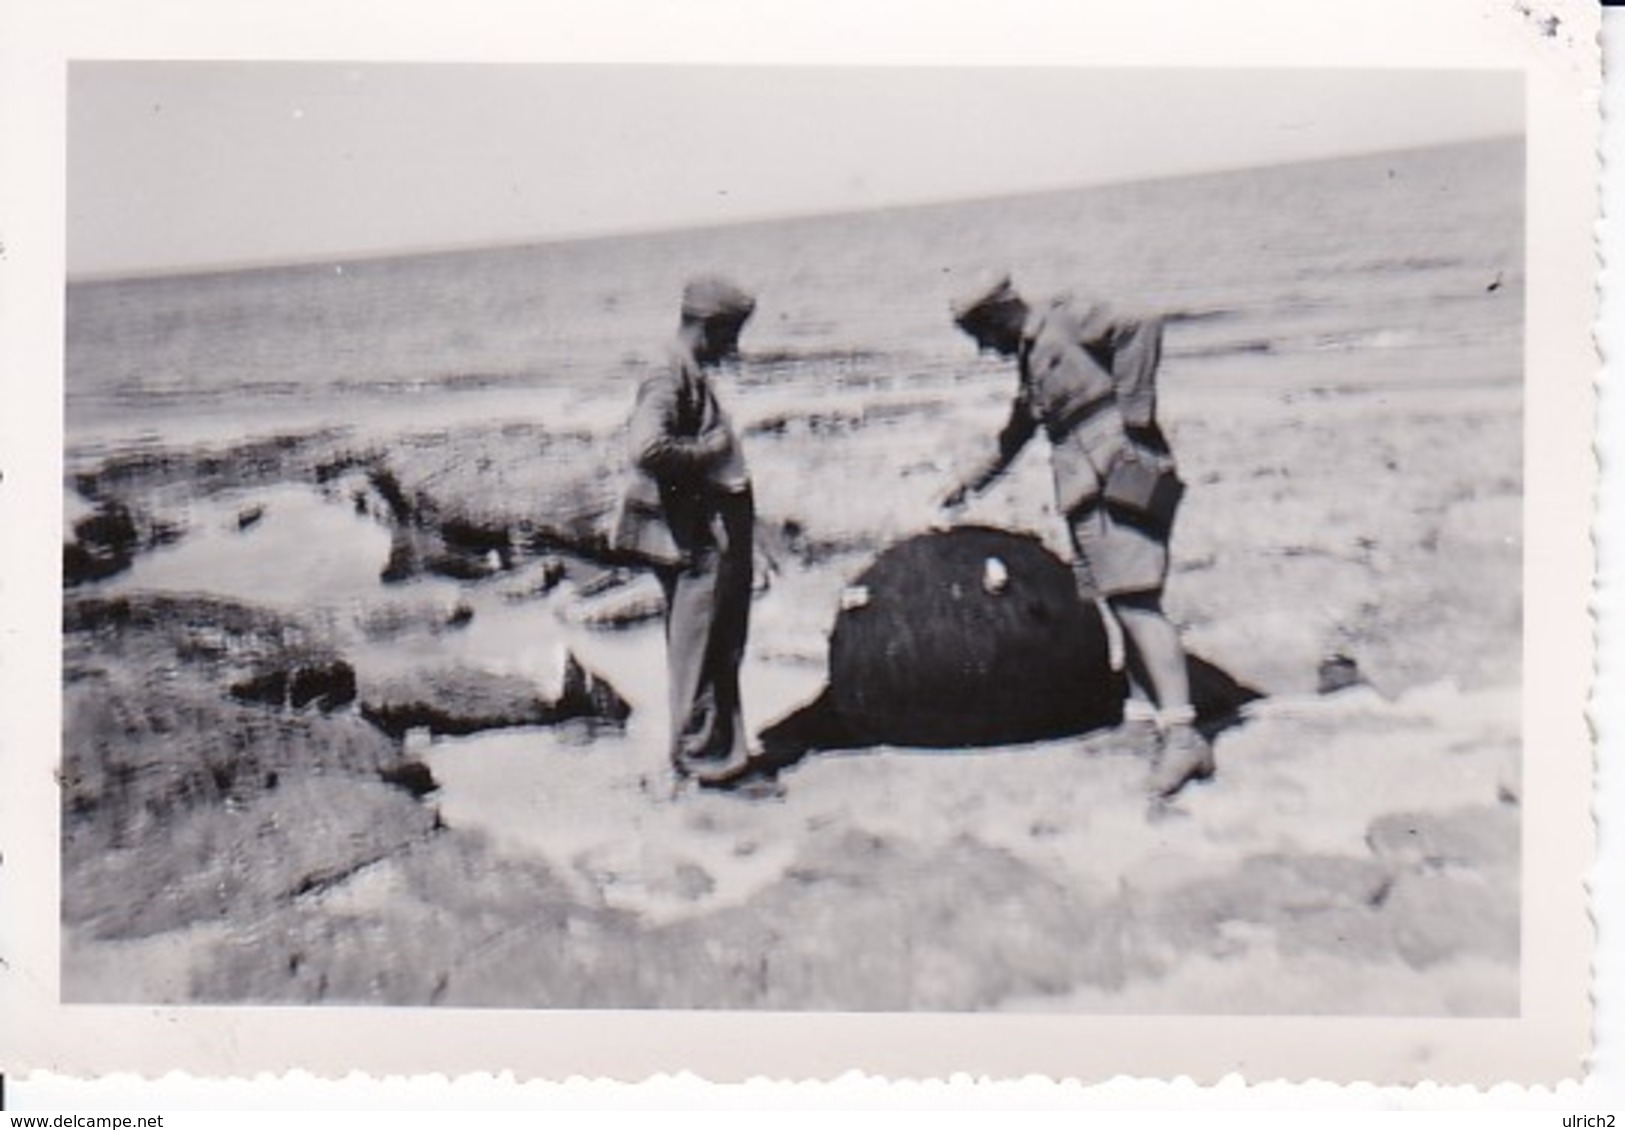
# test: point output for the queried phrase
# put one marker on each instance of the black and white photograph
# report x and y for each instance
(1003, 557)
(1037, 543)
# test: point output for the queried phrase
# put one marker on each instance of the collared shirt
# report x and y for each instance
(1088, 378)
(680, 433)
(728, 473)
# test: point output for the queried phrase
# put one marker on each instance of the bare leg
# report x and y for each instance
(1139, 734)
(1186, 755)
(1157, 648)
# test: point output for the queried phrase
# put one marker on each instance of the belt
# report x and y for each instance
(1063, 425)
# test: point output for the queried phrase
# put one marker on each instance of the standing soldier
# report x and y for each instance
(688, 510)
(1089, 380)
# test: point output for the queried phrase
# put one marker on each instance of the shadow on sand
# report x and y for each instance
(968, 638)
(820, 727)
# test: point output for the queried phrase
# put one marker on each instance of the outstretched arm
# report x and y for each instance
(1018, 429)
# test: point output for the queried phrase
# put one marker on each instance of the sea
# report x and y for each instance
(1414, 257)
(1404, 267)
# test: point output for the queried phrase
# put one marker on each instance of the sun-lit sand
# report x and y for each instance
(1357, 853)
(333, 529)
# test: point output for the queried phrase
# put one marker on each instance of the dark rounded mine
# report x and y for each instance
(970, 637)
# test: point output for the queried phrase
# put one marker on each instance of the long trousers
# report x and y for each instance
(707, 620)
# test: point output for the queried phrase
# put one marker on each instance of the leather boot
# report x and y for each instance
(1186, 756)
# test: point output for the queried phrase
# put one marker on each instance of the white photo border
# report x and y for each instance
(1548, 1042)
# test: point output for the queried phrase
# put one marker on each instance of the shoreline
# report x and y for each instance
(1286, 861)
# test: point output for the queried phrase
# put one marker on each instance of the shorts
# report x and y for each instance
(1113, 557)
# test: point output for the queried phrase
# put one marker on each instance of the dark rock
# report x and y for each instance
(416, 551)
(106, 541)
(249, 516)
(251, 655)
(391, 619)
(269, 688)
(413, 776)
(327, 686)
(477, 538)
(515, 489)
(82, 565)
(458, 565)
(401, 507)
(537, 580)
(588, 695)
(181, 803)
(625, 601)
(140, 749)
(1336, 673)
(458, 700)
(253, 462)
(465, 700)
(111, 525)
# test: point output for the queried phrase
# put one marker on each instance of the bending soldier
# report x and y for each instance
(1089, 380)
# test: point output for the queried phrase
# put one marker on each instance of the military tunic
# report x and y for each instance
(1088, 378)
(690, 512)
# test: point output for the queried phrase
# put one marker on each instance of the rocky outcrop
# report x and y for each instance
(207, 769)
(534, 581)
(391, 619)
(325, 685)
(466, 700)
(169, 703)
(621, 600)
(466, 504)
(476, 501)
(104, 542)
(205, 470)
(248, 654)
(237, 861)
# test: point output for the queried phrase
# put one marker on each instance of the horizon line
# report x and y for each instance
(522, 242)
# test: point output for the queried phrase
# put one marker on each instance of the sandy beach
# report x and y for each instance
(323, 744)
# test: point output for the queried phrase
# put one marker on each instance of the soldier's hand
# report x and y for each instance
(948, 507)
(953, 499)
(719, 446)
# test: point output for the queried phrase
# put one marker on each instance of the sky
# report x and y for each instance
(175, 165)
